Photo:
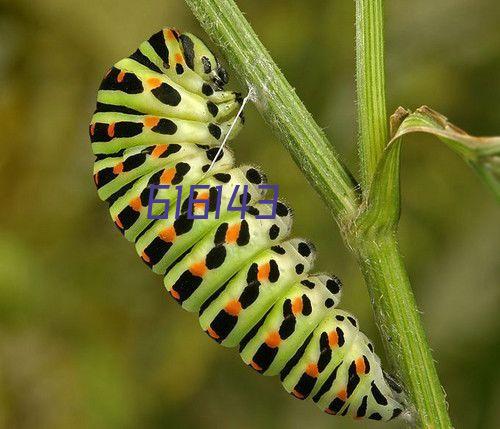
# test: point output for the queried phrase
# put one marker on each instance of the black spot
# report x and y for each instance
(253, 176)
(339, 318)
(134, 161)
(377, 394)
(352, 320)
(274, 272)
(220, 233)
(375, 416)
(252, 210)
(129, 84)
(274, 232)
(188, 50)
(214, 130)
(145, 61)
(212, 108)
(336, 405)
(165, 126)
(308, 283)
(306, 305)
(223, 177)
(396, 412)
(252, 273)
(181, 169)
(299, 268)
(353, 379)
(156, 250)
(186, 285)
(207, 66)
(179, 69)
(182, 224)
(287, 327)
(329, 303)
(167, 94)
(367, 364)
(157, 41)
(103, 107)
(213, 152)
(264, 356)
(340, 334)
(216, 257)
(278, 249)
(333, 285)
(128, 216)
(249, 295)
(361, 412)
(304, 249)
(281, 209)
(244, 235)
(370, 347)
(207, 90)
(223, 324)
(247, 198)
(325, 357)
(287, 308)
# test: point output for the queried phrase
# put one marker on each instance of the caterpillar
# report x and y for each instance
(161, 116)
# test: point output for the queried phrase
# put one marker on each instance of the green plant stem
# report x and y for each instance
(403, 335)
(376, 249)
(370, 83)
(279, 105)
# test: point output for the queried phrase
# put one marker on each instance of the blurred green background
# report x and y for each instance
(88, 337)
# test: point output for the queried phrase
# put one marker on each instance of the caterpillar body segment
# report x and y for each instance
(161, 116)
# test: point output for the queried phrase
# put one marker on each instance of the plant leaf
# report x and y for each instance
(382, 207)
(481, 153)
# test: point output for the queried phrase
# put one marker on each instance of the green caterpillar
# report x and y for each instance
(161, 116)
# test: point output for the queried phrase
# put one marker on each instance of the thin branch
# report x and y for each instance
(370, 82)
(279, 105)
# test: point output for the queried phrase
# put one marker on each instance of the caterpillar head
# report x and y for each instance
(200, 59)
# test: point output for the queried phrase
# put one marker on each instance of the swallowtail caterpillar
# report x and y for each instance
(161, 116)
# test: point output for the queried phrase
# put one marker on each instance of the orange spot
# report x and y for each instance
(333, 339)
(212, 333)
(342, 395)
(168, 234)
(263, 273)
(298, 395)
(167, 176)
(174, 293)
(360, 366)
(153, 82)
(92, 129)
(179, 58)
(120, 76)
(151, 121)
(198, 269)
(136, 204)
(255, 366)
(312, 370)
(118, 222)
(111, 129)
(328, 411)
(169, 34)
(233, 307)
(145, 257)
(232, 233)
(96, 178)
(118, 168)
(203, 196)
(158, 150)
(273, 340)
(297, 305)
